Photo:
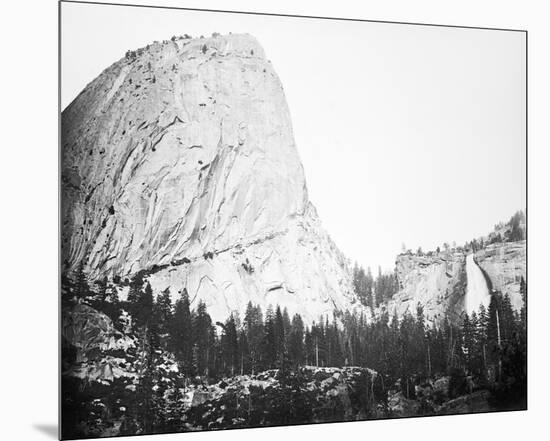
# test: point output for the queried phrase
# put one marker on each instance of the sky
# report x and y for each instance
(408, 134)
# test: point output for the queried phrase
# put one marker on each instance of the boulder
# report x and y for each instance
(441, 386)
(400, 406)
(472, 403)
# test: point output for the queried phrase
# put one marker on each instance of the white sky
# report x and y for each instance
(408, 134)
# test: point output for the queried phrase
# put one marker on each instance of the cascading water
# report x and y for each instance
(477, 292)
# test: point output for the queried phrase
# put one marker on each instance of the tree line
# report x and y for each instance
(486, 350)
(488, 346)
(513, 230)
(374, 291)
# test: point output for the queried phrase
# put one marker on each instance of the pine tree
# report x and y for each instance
(203, 333)
(523, 311)
(162, 312)
(230, 346)
(100, 299)
(134, 295)
(143, 312)
(181, 333)
(254, 330)
(369, 283)
(296, 341)
(279, 334)
(419, 344)
(287, 324)
(269, 345)
(468, 343)
(244, 353)
(494, 337)
(81, 287)
(309, 347)
(379, 289)
(508, 319)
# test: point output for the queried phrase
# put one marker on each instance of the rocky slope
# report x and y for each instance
(179, 161)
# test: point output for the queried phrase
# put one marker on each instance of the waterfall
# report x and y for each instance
(477, 292)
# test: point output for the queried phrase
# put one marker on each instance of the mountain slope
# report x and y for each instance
(179, 162)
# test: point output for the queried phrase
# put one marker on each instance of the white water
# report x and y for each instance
(477, 292)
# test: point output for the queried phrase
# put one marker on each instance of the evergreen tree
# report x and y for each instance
(181, 333)
(420, 343)
(230, 347)
(244, 353)
(269, 345)
(254, 331)
(468, 343)
(296, 341)
(516, 232)
(134, 295)
(143, 312)
(494, 338)
(204, 336)
(162, 312)
(82, 290)
(379, 289)
(279, 331)
(523, 311)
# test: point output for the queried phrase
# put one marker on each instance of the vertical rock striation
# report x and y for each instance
(179, 162)
(436, 282)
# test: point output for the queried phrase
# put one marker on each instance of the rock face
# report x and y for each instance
(439, 282)
(505, 265)
(179, 161)
(436, 282)
(94, 338)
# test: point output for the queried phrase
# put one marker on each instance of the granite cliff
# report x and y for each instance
(439, 281)
(179, 163)
(436, 282)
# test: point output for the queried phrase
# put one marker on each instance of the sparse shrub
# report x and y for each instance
(247, 266)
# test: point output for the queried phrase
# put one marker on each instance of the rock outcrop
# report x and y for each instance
(179, 162)
(436, 282)
(92, 339)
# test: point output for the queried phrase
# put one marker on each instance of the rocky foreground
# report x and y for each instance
(106, 377)
(313, 394)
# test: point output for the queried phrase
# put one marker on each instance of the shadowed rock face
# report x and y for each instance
(180, 161)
